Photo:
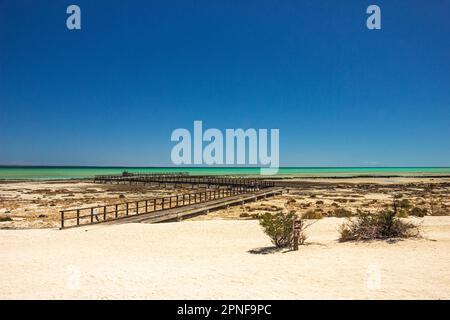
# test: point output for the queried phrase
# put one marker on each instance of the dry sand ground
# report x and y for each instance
(213, 260)
(225, 257)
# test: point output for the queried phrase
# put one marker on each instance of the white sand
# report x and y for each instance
(210, 260)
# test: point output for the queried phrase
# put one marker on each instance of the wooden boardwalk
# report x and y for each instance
(179, 179)
(222, 192)
(180, 213)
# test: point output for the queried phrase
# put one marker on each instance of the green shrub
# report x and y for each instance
(4, 219)
(383, 225)
(402, 213)
(278, 226)
(312, 214)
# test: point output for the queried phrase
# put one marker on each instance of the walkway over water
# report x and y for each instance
(184, 179)
(222, 192)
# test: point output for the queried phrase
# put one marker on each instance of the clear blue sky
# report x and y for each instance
(111, 93)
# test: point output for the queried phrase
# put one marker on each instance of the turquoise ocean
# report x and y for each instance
(47, 173)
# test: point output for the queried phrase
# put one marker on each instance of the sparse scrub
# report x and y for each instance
(341, 213)
(313, 214)
(382, 225)
(418, 212)
(249, 215)
(439, 211)
(291, 201)
(262, 207)
(404, 204)
(5, 219)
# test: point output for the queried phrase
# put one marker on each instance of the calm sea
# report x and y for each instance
(41, 173)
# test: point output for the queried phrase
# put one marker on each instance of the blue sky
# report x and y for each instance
(112, 92)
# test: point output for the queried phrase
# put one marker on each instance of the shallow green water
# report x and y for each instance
(88, 172)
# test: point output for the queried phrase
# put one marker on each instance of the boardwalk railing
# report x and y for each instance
(185, 179)
(98, 214)
(129, 175)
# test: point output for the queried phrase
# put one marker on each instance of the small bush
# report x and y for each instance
(341, 213)
(278, 226)
(291, 201)
(418, 212)
(319, 202)
(404, 204)
(402, 213)
(383, 225)
(4, 219)
(312, 214)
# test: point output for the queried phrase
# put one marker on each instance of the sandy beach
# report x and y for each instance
(220, 260)
(223, 254)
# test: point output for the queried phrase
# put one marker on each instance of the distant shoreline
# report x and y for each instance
(278, 178)
(48, 173)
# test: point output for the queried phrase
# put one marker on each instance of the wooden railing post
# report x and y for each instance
(78, 217)
(62, 219)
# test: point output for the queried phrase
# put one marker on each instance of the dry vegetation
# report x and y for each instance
(37, 204)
